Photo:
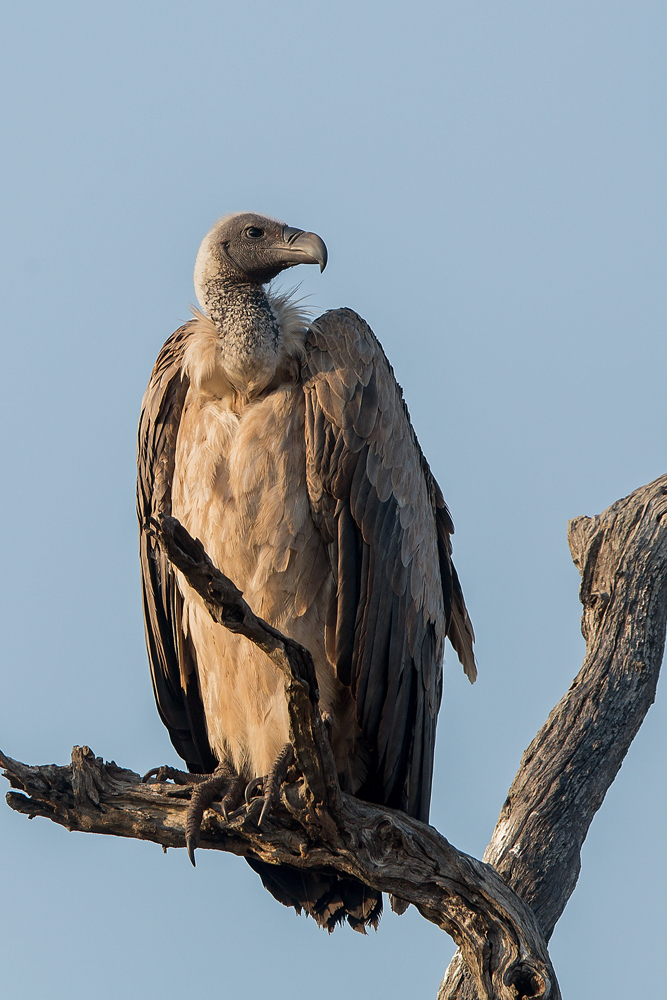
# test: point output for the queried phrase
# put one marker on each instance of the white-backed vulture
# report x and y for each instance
(287, 449)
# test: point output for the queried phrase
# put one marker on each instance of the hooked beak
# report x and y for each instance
(303, 248)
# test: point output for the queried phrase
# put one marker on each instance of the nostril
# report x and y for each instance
(290, 234)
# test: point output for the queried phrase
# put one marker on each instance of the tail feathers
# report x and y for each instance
(324, 895)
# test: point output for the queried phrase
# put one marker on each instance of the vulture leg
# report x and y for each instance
(205, 789)
(270, 784)
(224, 779)
(233, 797)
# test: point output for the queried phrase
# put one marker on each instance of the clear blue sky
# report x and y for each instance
(490, 180)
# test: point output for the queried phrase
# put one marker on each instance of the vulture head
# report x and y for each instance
(249, 248)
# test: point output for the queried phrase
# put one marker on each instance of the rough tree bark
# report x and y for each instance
(500, 911)
(567, 769)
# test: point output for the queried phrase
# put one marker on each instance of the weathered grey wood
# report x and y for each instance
(567, 769)
(383, 847)
(317, 826)
(564, 774)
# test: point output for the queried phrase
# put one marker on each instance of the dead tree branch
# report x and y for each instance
(500, 923)
(567, 769)
(316, 825)
(384, 848)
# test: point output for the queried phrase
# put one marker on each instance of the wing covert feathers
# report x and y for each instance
(388, 530)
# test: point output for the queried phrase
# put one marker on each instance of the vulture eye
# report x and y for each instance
(254, 233)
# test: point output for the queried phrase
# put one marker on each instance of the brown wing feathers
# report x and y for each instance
(376, 503)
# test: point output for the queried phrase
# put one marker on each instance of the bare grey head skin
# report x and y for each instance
(237, 257)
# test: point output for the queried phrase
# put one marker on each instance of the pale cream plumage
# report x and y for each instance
(239, 486)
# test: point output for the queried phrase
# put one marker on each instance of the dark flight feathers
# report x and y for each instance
(377, 505)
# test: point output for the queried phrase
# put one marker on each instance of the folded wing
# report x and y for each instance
(388, 531)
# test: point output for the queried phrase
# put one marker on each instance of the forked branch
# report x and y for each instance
(316, 826)
(564, 774)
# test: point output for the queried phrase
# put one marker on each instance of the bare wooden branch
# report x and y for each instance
(316, 826)
(567, 769)
(518, 968)
(564, 774)
(386, 849)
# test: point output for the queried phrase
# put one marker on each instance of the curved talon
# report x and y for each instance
(192, 823)
(253, 808)
(251, 788)
(153, 773)
(163, 773)
(265, 808)
(203, 789)
(203, 795)
(168, 773)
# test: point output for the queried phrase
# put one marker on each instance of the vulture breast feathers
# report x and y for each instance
(249, 408)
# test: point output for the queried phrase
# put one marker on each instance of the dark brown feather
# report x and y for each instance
(386, 498)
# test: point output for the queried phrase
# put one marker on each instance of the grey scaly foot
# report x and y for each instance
(233, 796)
(224, 779)
(205, 788)
(270, 784)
